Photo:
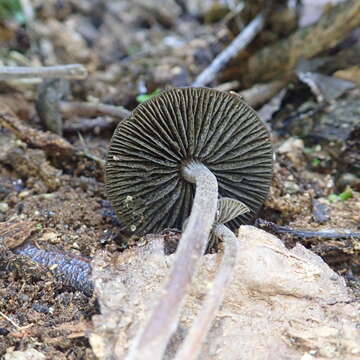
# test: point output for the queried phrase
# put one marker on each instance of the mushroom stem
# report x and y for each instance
(191, 347)
(151, 342)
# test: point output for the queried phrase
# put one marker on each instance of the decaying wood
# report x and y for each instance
(274, 61)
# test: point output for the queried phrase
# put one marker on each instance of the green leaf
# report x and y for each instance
(333, 197)
(143, 97)
(315, 162)
(345, 195)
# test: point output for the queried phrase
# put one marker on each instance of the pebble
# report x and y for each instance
(4, 207)
(320, 211)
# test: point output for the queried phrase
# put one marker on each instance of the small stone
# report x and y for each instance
(24, 194)
(320, 211)
(293, 148)
(29, 354)
(290, 145)
(291, 187)
(4, 207)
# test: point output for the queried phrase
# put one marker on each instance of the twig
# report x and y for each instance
(89, 155)
(238, 44)
(197, 334)
(328, 234)
(72, 71)
(69, 109)
(10, 320)
(86, 125)
(259, 94)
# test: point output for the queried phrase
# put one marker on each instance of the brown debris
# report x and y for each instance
(55, 147)
(15, 233)
(350, 74)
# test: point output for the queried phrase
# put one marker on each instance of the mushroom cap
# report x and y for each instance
(144, 180)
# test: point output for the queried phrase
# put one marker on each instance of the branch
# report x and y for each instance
(328, 234)
(69, 109)
(72, 71)
(238, 44)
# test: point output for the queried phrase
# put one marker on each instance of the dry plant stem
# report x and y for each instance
(87, 125)
(328, 234)
(276, 60)
(72, 71)
(69, 109)
(151, 342)
(192, 345)
(238, 44)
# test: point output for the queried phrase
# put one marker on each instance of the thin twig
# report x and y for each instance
(238, 44)
(71, 71)
(10, 320)
(87, 125)
(197, 333)
(69, 109)
(328, 234)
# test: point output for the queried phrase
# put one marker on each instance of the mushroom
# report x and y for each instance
(174, 140)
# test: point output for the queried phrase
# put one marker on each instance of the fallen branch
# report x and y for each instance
(259, 94)
(274, 61)
(72, 71)
(238, 44)
(328, 234)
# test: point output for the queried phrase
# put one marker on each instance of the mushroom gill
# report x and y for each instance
(150, 150)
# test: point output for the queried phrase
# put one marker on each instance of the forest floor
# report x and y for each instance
(52, 192)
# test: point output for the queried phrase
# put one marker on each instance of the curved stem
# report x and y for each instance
(152, 340)
(191, 347)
